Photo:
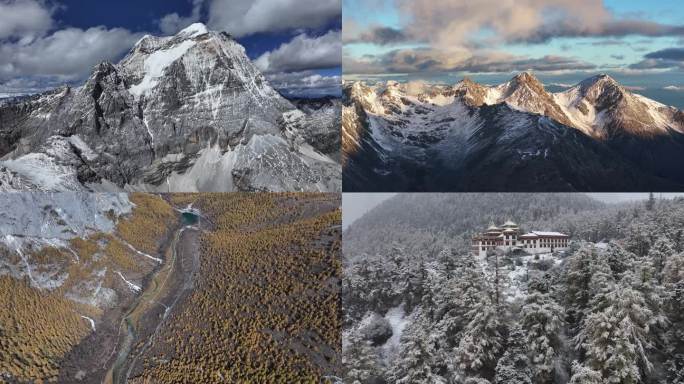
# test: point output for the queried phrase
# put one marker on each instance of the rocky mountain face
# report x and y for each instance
(319, 123)
(33, 223)
(595, 136)
(188, 112)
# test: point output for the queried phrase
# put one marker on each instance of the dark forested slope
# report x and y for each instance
(427, 222)
(608, 310)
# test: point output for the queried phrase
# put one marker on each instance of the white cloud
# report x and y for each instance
(173, 22)
(304, 52)
(446, 23)
(33, 59)
(634, 88)
(305, 83)
(25, 19)
(562, 85)
(69, 53)
(674, 88)
(455, 22)
(433, 60)
(486, 25)
(29, 85)
(245, 17)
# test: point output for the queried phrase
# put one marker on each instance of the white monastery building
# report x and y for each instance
(508, 237)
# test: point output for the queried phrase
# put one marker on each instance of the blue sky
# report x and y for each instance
(573, 39)
(137, 16)
(46, 43)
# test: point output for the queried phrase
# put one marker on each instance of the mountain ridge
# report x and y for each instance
(601, 90)
(515, 136)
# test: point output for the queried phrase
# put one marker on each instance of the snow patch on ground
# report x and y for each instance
(653, 108)
(61, 244)
(40, 217)
(271, 162)
(12, 241)
(398, 320)
(91, 321)
(517, 275)
(86, 151)
(41, 170)
(133, 287)
(132, 248)
(91, 292)
(309, 151)
(493, 96)
(587, 121)
(46, 276)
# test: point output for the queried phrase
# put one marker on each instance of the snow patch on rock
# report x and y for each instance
(155, 65)
(133, 287)
(194, 30)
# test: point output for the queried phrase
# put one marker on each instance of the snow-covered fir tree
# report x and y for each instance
(481, 343)
(673, 278)
(542, 319)
(582, 374)
(615, 334)
(413, 364)
(662, 249)
(514, 366)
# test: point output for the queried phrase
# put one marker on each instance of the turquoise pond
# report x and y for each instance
(189, 218)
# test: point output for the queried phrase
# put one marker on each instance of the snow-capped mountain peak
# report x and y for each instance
(474, 94)
(179, 113)
(601, 107)
(194, 30)
(601, 79)
(202, 55)
(601, 86)
(527, 79)
(598, 106)
(526, 93)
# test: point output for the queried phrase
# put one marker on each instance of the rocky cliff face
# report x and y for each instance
(188, 112)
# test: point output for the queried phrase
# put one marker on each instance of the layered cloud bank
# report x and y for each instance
(33, 53)
(502, 36)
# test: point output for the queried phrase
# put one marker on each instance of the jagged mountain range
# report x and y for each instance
(595, 136)
(188, 112)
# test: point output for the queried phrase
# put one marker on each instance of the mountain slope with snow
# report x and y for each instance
(596, 136)
(176, 112)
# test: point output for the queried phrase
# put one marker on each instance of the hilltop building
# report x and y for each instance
(508, 237)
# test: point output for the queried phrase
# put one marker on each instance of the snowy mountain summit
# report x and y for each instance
(188, 112)
(516, 136)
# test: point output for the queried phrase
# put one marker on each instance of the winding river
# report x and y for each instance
(125, 360)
